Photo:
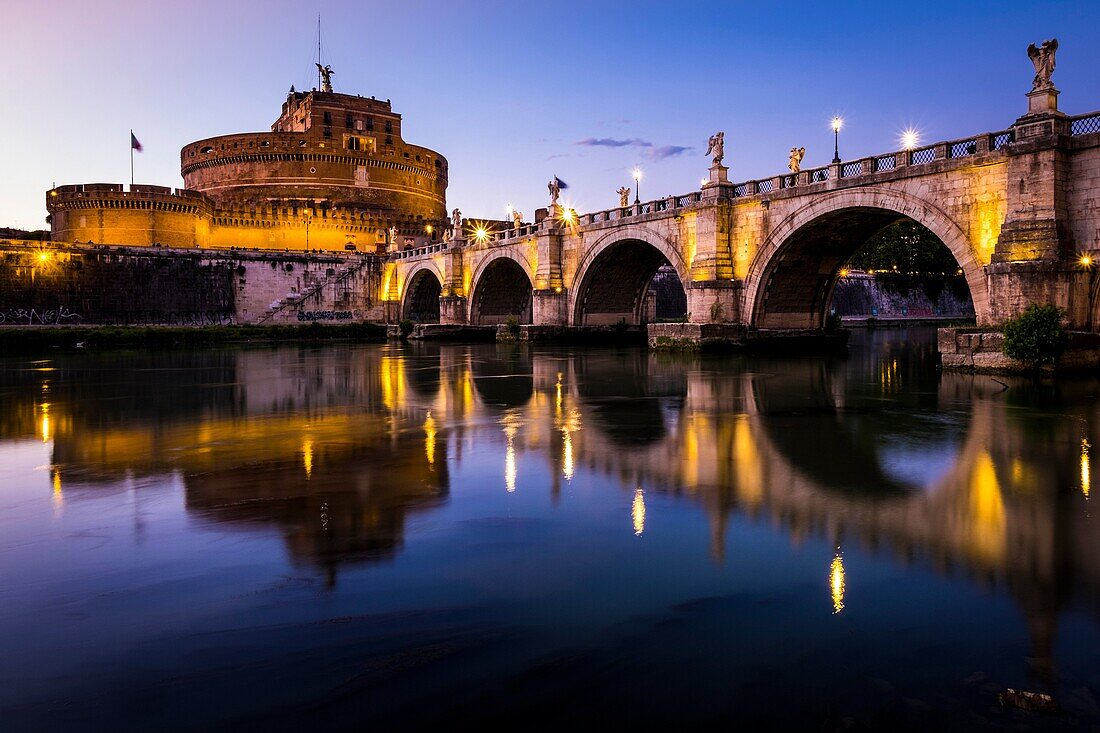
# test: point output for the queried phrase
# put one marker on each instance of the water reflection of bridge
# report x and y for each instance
(336, 447)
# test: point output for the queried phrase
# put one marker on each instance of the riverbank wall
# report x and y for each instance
(51, 284)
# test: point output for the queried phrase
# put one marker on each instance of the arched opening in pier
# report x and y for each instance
(870, 263)
(630, 281)
(422, 298)
(502, 291)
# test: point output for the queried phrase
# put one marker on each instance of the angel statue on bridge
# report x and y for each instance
(456, 222)
(795, 160)
(1042, 58)
(624, 196)
(517, 218)
(716, 147)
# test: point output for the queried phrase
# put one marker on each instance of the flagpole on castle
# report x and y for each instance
(131, 158)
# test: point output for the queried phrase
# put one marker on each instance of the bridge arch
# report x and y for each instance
(420, 300)
(613, 276)
(502, 285)
(791, 278)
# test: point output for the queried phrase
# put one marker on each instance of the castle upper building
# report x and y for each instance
(333, 173)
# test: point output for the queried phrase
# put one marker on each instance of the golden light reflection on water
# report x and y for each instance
(637, 512)
(307, 457)
(836, 582)
(987, 511)
(1086, 478)
(44, 422)
(429, 438)
(58, 496)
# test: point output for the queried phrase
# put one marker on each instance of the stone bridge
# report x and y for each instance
(1018, 208)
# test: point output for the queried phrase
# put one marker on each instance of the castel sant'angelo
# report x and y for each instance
(332, 174)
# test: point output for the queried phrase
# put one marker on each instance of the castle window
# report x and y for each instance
(207, 150)
(347, 120)
(370, 123)
(389, 140)
(328, 118)
(328, 132)
(359, 125)
(351, 142)
(389, 126)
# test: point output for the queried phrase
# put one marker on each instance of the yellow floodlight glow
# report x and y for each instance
(844, 272)
(1085, 260)
(910, 139)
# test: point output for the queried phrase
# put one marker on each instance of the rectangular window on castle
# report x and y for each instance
(389, 126)
(328, 118)
(370, 123)
(351, 142)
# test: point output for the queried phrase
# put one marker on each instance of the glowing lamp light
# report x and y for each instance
(844, 272)
(43, 257)
(510, 209)
(428, 229)
(636, 174)
(481, 234)
(568, 215)
(837, 123)
(910, 139)
(702, 181)
(1085, 260)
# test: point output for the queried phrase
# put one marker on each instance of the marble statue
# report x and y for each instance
(795, 160)
(555, 190)
(393, 235)
(326, 73)
(517, 218)
(1042, 58)
(716, 147)
(624, 196)
(456, 222)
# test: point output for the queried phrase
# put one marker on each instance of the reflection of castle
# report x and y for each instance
(337, 446)
(333, 173)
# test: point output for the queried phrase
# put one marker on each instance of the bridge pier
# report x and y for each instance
(714, 301)
(453, 310)
(549, 307)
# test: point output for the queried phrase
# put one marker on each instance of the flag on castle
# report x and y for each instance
(134, 143)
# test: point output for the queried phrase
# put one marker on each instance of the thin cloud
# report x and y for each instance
(610, 142)
(667, 151)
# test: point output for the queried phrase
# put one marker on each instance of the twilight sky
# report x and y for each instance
(515, 92)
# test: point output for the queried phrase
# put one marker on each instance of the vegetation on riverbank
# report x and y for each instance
(108, 337)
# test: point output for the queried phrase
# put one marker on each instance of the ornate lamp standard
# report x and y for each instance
(637, 174)
(837, 124)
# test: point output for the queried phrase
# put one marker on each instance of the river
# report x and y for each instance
(408, 537)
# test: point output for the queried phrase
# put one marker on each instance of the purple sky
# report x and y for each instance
(515, 92)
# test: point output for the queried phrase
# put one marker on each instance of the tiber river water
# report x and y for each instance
(448, 536)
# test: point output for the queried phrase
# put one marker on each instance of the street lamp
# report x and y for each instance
(910, 139)
(637, 174)
(837, 124)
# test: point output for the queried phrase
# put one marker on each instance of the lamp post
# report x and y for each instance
(637, 174)
(837, 124)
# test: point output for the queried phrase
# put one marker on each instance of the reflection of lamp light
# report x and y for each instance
(429, 438)
(637, 512)
(566, 455)
(1086, 474)
(836, 581)
(307, 457)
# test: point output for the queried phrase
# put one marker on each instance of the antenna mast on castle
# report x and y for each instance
(319, 64)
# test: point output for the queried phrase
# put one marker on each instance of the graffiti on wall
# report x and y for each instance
(324, 315)
(37, 316)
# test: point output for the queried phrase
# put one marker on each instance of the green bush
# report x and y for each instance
(1036, 336)
(512, 324)
(406, 327)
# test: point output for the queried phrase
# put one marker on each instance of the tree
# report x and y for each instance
(908, 248)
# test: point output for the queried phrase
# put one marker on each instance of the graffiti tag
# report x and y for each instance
(41, 316)
(324, 315)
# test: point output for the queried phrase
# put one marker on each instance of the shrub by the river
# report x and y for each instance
(1036, 336)
(512, 324)
(406, 327)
